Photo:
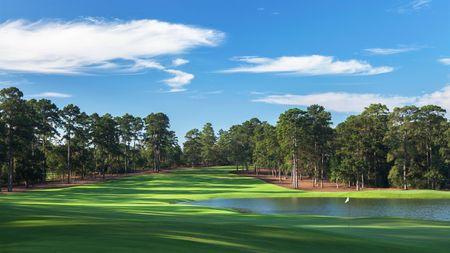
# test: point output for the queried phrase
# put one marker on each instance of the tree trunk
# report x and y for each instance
(321, 169)
(279, 173)
(315, 175)
(405, 184)
(44, 160)
(321, 178)
(294, 172)
(362, 180)
(126, 158)
(69, 172)
(10, 171)
(10, 162)
(357, 183)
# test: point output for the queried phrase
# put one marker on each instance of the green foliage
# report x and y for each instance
(408, 147)
(207, 139)
(192, 147)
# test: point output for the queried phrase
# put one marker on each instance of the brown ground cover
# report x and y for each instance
(76, 181)
(305, 183)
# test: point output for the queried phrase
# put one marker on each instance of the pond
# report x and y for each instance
(406, 208)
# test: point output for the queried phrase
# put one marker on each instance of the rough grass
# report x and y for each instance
(141, 214)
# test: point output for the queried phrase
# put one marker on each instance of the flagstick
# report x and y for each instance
(348, 213)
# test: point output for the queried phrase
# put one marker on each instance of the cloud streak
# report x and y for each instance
(312, 65)
(51, 95)
(178, 81)
(59, 47)
(179, 61)
(356, 102)
(412, 6)
(390, 51)
(445, 61)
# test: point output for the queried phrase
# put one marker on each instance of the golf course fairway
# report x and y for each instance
(142, 214)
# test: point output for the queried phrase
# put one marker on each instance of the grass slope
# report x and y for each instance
(140, 214)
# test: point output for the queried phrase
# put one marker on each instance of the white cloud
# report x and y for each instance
(356, 102)
(389, 51)
(307, 65)
(414, 5)
(179, 80)
(419, 4)
(440, 97)
(445, 61)
(336, 101)
(91, 45)
(179, 61)
(51, 95)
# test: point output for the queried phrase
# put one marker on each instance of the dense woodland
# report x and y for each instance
(408, 147)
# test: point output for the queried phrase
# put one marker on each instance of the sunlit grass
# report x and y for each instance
(144, 214)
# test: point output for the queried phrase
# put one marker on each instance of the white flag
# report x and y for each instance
(347, 200)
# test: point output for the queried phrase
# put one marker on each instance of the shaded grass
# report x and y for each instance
(141, 214)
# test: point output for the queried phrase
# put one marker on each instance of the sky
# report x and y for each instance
(225, 62)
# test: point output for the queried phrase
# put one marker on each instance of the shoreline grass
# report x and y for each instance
(141, 214)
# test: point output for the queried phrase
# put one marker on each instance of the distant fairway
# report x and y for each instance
(140, 214)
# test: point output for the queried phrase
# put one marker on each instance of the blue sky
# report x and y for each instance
(227, 61)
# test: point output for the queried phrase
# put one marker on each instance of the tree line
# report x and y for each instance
(39, 141)
(408, 147)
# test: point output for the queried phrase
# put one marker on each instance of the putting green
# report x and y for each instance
(140, 214)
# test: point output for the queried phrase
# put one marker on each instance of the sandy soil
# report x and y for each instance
(305, 184)
(76, 181)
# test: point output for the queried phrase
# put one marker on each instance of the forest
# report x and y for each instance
(407, 147)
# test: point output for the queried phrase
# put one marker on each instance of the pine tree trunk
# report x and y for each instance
(10, 171)
(321, 178)
(362, 180)
(315, 176)
(10, 161)
(405, 184)
(44, 161)
(68, 161)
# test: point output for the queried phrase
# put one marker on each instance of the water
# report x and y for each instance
(405, 208)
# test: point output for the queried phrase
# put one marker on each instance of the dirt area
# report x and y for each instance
(305, 184)
(76, 181)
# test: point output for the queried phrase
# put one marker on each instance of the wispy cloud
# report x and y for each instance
(99, 46)
(179, 80)
(440, 97)
(51, 95)
(445, 61)
(389, 51)
(13, 81)
(419, 4)
(306, 65)
(356, 102)
(179, 61)
(413, 6)
(90, 45)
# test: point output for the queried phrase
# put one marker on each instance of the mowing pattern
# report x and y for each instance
(141, 214)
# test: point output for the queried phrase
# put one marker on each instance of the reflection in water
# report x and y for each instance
(406, 208)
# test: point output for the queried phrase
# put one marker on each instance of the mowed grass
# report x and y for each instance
(141, 214)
